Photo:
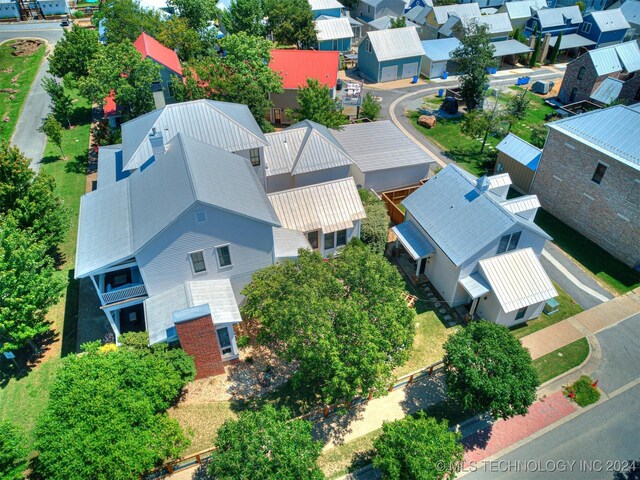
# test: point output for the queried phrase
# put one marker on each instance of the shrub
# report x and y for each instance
(13, 454)
(374, 229)
(242, 341)
(78, 14)
(583, 392)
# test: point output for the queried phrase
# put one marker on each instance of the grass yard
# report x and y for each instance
(562, 360)
(465, 150)
(568, 308)
(602, 264)
(200, 421)
(25, 68)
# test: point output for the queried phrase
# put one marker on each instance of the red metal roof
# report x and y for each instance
(150, 47)
(296, 66)
(110, 106)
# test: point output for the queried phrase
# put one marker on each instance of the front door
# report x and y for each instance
(277, 116)
(423, 265)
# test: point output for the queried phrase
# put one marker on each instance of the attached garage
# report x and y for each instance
(388, 74)
(410, 70)
(387, 55)
(436, 56)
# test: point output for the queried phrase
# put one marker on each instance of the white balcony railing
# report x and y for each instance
(124, 293)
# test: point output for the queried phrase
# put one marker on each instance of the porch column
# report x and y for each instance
(93, 280)
(473, 306)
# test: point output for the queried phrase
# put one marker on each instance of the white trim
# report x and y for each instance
(225, 267)
(193, 270)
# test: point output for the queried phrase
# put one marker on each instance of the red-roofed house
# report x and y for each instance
(149, 47)
(296, 66)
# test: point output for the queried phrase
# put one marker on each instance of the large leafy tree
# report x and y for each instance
(370, 108)
(242, 75)
(61, 102)
(344, 321)
(474, 56)
(125, 20)
(74, 52)
(196, 12)
(13, 453)
(375, 228)
(291, 22)
(106, 416)
(120, 67)
(483, 122)
(53, 129)
(177, 35)
(15, 176)
(487, 369)
(245, 16)
(418, 448)
(265, 445)
(315, 103)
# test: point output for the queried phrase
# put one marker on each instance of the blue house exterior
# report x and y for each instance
(554, 20)
(334, 33)
(605, 28)
(340, 44)
(327, 8)
(387, 55)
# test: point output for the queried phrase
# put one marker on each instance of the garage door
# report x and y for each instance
(438, 69)
(410, 70)
(389, 73)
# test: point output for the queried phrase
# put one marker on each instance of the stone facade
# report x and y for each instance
(199, 339)
(607, 213)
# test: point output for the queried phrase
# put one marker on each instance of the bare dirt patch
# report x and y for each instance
(25, 48)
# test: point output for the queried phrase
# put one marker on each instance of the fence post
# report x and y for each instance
(169, 468)
(198, 459)
(370, 395)
(411, 379)
(326, 412)
(431, 370)
(391, 388)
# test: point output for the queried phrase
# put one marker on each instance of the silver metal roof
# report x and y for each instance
(609, 20)
(107, 164)
(304, 147)
(612, 131)
(475, 285)
(216, 294)
(443, 12)
(440, 50)
(379, 145)
(520, 150)
(517, 279)
(395, 43)
(608, 91)
(629, 53)
(556, 17)
(413, 240)
(287, 242)
(631, 11)
(325, 4)
(523, 9)
(459, 218)
(228, 126)
(509, 47)
(384, 22)
(497, 23)
(329, 206)
(573, 40)
(525, 203)
(333, 28)
(419, 14)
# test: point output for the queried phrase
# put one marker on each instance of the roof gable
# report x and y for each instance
(395, 43)
(523, 9)
(555, 17)
(296, 66)
(150, 47)
(333, 29)
(609, 20)
(520, 150)
(443, 12)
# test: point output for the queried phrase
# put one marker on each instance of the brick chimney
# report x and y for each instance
(198, 338)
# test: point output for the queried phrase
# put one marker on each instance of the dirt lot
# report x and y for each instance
(25, 48)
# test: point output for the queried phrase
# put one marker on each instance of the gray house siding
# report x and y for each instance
(164, 262)
(287, 99)
(383, 180)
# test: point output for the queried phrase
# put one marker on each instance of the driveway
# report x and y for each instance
(36, 106)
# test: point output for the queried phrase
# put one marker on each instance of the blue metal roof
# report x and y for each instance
(521, 151)
(413, 240)
(440, 50)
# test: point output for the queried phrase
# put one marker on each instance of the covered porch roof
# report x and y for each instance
(573, 40)
(509, 47)
(475, 285)
(413, 240)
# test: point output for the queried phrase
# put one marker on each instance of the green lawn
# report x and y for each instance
(562, 360)
(26, 69)
(465, 150)
(201, 421)
(568, 308)
(603, 265)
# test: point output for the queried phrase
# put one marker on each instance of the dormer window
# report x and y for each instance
(254, 156)
(509, 242)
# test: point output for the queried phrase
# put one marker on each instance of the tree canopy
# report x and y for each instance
(245, 16)
(196, 12)
(418, 448)
(61, 102)
(13, 453)
(398, 22)
(474, 56)
(125, 20)
(265, 445)
(375, 227)
(344, 320)
(483, 122)
(487, 369)
(176, 34)
(315, 103)
(74, 52)
(370, 107)
(291, 22)
(106, 418)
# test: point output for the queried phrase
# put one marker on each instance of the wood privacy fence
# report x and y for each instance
(313, 416)
(393, 198)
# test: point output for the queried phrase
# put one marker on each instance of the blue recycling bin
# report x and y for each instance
(415, 79)
(441, 92)
(445, 75)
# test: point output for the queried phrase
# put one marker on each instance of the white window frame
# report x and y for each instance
(367, 45)
(586, 27)
(324, 241)
(346, 238)
(231, 345)
(220, 266)
(204, 262)
(255, 151)
(317, 232)
(510, 239)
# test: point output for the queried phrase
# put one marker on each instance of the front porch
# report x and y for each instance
(119, 284)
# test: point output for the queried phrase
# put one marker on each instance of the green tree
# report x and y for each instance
(106, 416)
(474, 56)
(418, 448)
(277, 448)
(556, 49)
(13, 453)
(487, 369)
(121, 68)
(370, 107)
(15, 176)
(245, 16)
(291, 22)
(518, 104)
(28, 284)
(241, 76)
(61, 103)
(352, 329)
(398, 22)
(483, 122)
(375, 227)
(315, 103)
(125, 20)
(53, 130)
(533, 60)
(539, 135)
(177, 35)
(74, 52)
(581, 5)
(197, 12)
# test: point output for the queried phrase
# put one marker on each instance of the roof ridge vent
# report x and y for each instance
(483, 183)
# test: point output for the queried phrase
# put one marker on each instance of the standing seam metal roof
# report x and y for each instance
(520, 150)
(325, 4)
(608, 91)
(631, 11)
(440, 50)
(395, 43)
(609, 20)
(555, 17)
(333, 29)
(443, 12)
(518, 10)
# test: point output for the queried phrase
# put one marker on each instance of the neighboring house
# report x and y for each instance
(412, 4)
(53, 7)
(605, 28)
(631, 11)
(367, 10)
(432, 19)
(476, 247)
(589, 178)
(498, 26)
(295, 67)
(149, 47)
(608, 91)
(9, 9)
(520, 12)
(334, 33)
(585, 74)
(519, 159)
(327, 8)
(553, 21)
(329, 214)
(387, 55)
(384, 23)
(383, 157)
(437, 58)
(14, 9)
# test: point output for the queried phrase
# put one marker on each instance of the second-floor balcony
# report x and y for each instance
(120, 285)
(124, 293)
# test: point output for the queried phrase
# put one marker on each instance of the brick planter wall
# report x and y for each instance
(198, 338)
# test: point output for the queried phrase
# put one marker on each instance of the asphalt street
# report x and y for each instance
(26, 136)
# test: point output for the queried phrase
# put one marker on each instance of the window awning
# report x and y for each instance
(475, 285)
(413, 240)
(573, 40)
(510, 47)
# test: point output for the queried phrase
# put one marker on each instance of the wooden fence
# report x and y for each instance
(393, 198)
(313, 416)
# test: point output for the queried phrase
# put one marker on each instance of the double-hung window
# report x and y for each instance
(329, 241)
(254, 155)
(313, 239)
(197, 262)
(224, 340)
(224, 256)
(341, 238)
(599, 173)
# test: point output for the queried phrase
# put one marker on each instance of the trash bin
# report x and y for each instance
(339, 84)
(445, 75)
(415, 79)
(441, 92)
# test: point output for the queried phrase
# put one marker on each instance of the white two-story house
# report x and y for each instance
(476, 247)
